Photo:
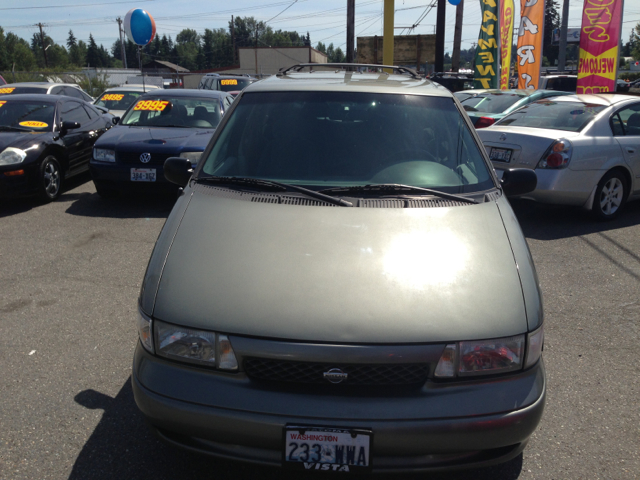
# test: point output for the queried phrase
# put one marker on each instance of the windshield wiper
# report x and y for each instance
(261, 183)
(388, 188)
(8, 128)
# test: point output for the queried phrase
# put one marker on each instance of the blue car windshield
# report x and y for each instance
(165, 112)
(335, 139)
(26, 115)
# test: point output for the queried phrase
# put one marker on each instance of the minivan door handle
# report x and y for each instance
(631, 150)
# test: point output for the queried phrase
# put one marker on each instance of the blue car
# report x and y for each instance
(161, 124)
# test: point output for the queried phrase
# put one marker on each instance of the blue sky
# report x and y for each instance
(323, 19)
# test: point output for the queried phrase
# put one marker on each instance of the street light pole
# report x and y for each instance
(387, 46)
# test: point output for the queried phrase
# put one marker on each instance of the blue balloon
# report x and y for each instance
(454, 2)
(139, 26)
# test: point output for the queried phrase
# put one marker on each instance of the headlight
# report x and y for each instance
(144, 331)
(11, 156)
(483, 357)
(194, 346)
(103, 155)
(193, 157)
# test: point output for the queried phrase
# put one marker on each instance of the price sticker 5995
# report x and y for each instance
(153, 105)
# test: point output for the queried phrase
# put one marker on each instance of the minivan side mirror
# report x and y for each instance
(518, 181)
(178, 170)
(66, 126)
(115, 120)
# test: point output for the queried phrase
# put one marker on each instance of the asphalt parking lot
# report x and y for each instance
(70, 276)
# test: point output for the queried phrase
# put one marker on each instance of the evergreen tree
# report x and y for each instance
(551, 22)
(71, 40)
(93, 58)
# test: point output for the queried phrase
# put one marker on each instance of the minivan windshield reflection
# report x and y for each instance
(339, 139)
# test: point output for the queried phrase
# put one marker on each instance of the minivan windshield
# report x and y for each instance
(339, 139)
(153, 111)
(569, 116)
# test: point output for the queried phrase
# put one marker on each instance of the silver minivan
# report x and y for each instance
(343, 286)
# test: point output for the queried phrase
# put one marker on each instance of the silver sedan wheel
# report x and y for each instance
(611, 196)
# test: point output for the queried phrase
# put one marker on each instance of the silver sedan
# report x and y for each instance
(585, 150)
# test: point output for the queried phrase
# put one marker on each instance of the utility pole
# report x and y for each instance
(562, 54)
(351, 16)
(440, 26)
(44, 50)
(233, 41)
(387, 46)
(457, 38)
(122, 50)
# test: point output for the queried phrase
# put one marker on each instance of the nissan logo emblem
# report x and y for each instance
(145, 157)
(335, 375)
(503, 137)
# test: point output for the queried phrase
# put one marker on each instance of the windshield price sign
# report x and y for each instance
(113, 96)
(34, 124)
(229, 82)
(6, 90)
(152, 105)
(2, 103)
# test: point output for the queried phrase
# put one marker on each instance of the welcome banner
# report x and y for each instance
(530, 37)
(506, 38)
(599, 43)
(486, 62)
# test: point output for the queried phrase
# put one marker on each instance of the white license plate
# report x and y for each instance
(500, 154)
(143, 174)
(327, 449)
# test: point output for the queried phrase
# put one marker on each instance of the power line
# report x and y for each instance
(292, 3)
(70, 5)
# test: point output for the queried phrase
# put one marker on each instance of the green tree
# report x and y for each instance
(93, 57)
(188, 35)
(4, 58)
(19, 54)
(551, 22)
(634, 41)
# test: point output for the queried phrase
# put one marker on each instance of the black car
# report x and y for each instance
(45, 139)
(161, 124)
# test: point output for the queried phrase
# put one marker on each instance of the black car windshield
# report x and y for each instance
(120, 100)
(570, 116)
(21, 90)
(491, 102)
(340, 139)
(174, 112)
(26, 115)
(232, 84)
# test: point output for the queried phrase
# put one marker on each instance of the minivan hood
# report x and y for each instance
(345, 275)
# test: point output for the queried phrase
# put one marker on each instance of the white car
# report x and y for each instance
(118, 99)
(585, 150)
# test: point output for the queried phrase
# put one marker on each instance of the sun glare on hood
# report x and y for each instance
(418, 260)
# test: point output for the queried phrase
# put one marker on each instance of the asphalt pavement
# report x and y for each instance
(69, 279)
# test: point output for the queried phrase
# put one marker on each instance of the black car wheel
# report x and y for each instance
(50, 179)
(611, 194)
(106, 190)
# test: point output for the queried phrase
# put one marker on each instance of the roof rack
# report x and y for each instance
(300, 66)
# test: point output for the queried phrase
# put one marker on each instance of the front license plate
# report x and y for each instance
(143, 174)
(327, 449)
(500, 154)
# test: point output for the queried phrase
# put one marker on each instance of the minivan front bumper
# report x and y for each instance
(439, 426)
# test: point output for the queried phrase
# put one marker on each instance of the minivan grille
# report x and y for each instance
(358, 374)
